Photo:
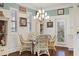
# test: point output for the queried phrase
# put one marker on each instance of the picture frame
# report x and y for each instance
(78, 32)
(23, 21)
(49, 24)
(60, 11)
(1, 4)
(1, 14)
(22, 9)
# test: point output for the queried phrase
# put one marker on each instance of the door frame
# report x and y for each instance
(65, 30)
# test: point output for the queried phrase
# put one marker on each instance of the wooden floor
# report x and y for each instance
(60, 51)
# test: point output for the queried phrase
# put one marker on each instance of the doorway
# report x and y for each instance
(61, 31)
(41, 28)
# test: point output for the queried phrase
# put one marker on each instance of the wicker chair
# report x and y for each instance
(32, 36)
(26, 45)
(42, 46)
(51, 44)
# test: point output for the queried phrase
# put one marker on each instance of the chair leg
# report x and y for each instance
(7, 54)
(54, 48)
(48, 52)
(31, 50)
(34, 52)
(38, 52)
(20, 52)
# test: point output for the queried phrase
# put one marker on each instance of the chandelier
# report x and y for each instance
(41, 15)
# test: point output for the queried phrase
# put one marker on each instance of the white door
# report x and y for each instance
(60, 31)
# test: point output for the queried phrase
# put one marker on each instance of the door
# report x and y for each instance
(60, 31)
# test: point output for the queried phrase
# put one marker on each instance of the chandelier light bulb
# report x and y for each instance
(45, 14)
(43, 11)
(47, 17)
(39, 11)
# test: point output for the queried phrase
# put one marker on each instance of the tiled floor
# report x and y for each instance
(60, 51)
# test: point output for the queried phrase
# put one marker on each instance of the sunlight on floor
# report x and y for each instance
(61, 53)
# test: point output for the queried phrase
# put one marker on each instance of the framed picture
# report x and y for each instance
(1, 13)
(60, 11)
(22, 9)
(1, 4)
(49, 24)
(23, 21)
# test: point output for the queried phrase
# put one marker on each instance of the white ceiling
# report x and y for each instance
(46, 6)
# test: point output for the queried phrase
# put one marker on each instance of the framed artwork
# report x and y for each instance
(23, 21)
(1, 13)
(60, 11)
(22, 9)
(1, 4)
(78, 32)
(49, 24)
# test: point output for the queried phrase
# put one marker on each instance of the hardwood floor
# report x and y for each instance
(60, 51)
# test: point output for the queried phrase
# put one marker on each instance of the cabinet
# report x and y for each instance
(3, 32)
(3, 35)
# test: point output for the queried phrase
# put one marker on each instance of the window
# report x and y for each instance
(29, 21)
(14, 20)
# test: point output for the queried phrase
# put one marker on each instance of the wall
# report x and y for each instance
(54, 12)
(71, 17)
(52, 31)
(68, 17)
(72, 22)
(12, 37)
(76, 29)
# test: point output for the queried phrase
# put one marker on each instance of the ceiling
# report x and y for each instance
(46, 6)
